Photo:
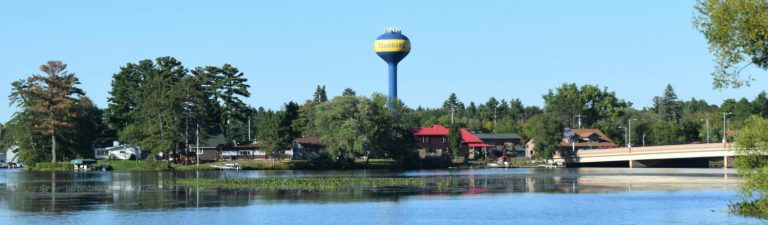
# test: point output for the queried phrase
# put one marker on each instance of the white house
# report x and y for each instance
(117, 151)
(11, 156)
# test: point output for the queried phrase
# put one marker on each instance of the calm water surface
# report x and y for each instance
(480, 196)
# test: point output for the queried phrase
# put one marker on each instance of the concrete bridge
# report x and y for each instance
(647, 156)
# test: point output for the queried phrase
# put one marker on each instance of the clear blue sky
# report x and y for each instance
(506, 49)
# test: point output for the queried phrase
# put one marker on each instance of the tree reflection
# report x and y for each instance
(62, 192)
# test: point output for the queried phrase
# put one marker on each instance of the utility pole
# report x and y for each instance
(629, 133)
(453, 109)
(197, 140)
(625, 135)
(494, 118)
(249, 128)
(707, 122)
(725, 125)
(579, 116)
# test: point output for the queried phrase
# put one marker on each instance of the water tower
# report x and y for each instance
(392, 46)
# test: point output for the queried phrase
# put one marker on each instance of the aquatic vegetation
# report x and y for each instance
(47, 166)
(304, 183)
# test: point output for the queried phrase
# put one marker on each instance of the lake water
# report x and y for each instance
(475, 196)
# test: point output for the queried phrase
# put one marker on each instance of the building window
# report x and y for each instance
(424, 139)
(445, 140)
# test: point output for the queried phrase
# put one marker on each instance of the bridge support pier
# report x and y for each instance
(632, 163)
(725, 162)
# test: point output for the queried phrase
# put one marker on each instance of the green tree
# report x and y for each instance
(320, 95)
(752, 164)
(736, 33)
(339, 127)
(348, 92)
(545, 131)
(154, 112)
(273, 135)
(667, 105)
(290, 115)
(589, 101)
(454, 139)
(229, 85)
(32, 145)
(50, 100)
(760, 105)
(668, 132)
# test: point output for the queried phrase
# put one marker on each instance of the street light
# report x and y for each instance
(725, 125)
(625, 134)
(707, 121)
(629, 133)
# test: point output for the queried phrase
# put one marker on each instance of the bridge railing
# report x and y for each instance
(654, 149)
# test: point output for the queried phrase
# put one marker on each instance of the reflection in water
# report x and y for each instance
(69, 191)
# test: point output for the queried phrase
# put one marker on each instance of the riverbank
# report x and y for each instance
(303, 183)
(382, 164)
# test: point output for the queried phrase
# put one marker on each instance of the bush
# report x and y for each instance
(47, 166)
(757, 208)
(157, 165)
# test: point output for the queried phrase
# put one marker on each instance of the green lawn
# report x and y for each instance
(124, 164)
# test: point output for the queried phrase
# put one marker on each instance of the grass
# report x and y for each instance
(47, 166)
(194, 167)
(303, 183)
(124, 164)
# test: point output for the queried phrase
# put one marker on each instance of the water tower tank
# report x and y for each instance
(392, 46)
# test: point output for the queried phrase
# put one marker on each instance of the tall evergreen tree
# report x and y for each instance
(667, 106)
(320, 95)
(348, 92)
(230, 85)
(50, 99)
(152, 104)
(451, 103)
(290, 115)
(273, 135)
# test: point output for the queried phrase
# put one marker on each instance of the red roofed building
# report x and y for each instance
(433, 141)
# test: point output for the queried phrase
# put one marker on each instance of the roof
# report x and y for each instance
(583, 135)
(439, 130)
(498, 136)
(435, 130)
(309, 140)
(468, 137)
(82, 161)
(240, 147)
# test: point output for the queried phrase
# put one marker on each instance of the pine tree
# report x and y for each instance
(320, 95)
(667, 106)
(348, 92)
(50, 100)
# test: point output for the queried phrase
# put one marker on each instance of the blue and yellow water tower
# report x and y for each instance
(392, 46)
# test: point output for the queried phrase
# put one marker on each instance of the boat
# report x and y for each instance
(229, 166)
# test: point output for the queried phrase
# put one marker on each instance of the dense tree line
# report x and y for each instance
(158, 105)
